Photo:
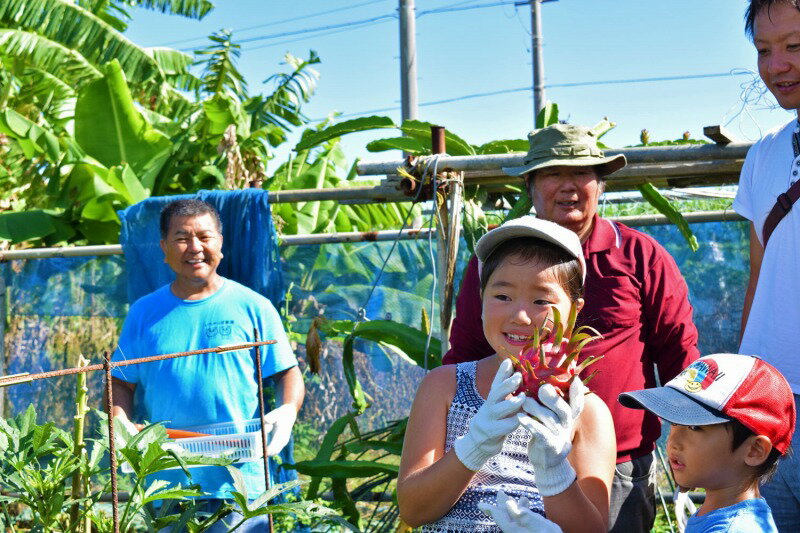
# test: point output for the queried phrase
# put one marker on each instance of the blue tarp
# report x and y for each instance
(250, 244)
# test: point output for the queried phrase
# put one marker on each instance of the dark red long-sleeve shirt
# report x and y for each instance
(637, 299)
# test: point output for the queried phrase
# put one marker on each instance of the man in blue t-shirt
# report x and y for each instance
(201, 309)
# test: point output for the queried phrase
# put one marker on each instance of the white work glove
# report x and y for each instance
(494, 420)
(684, 507)
(279, 423)
(551, 439)
(516, 517)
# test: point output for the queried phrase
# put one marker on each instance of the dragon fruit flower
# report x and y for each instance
(552, 356)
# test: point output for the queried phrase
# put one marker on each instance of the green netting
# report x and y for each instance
(58, 308)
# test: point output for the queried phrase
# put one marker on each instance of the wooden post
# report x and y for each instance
(448, 223)
(3, 318)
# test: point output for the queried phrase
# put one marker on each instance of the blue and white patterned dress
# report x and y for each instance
(510, 470)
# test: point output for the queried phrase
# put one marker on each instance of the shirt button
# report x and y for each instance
(794, 173)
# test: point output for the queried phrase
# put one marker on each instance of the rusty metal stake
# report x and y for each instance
(112, 447)
(438, 140)
(25, 377)
(259, 379)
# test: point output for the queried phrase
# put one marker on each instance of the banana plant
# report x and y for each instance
(123, 151)
(416, 140)
(363, 462)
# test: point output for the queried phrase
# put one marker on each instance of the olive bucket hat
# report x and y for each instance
(567, 145)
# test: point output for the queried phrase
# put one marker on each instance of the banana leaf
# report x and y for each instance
(316, 138)
(504, 147)
(421, 131)
(343, 469)
(110, 128)
(666, 208)
(406, 144)
(547, 116)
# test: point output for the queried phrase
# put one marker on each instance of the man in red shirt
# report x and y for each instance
(635, 297)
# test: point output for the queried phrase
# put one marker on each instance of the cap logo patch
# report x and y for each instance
(700, 374)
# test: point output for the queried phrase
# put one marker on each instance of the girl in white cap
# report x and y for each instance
(471, 442)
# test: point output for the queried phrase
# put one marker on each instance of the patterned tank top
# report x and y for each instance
(509, 471)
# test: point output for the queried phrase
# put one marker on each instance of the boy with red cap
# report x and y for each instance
(732, 418)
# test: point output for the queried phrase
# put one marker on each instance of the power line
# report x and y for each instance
(332, 32)
(357, 24)
(446, 9)
(279, 22)
(348, 25)
(552, 85)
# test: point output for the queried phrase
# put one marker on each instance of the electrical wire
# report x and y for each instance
(550, 86)
(345, 26)
(332, 32)
(279, 22)
(348, 28)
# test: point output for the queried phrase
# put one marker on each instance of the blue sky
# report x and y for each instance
(487, 49)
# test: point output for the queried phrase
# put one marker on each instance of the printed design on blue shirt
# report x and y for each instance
(218, 329)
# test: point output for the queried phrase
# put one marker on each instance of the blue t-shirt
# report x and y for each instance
(207, 388)
(749, 516)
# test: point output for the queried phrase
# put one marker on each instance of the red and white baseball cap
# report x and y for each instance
(722, 387)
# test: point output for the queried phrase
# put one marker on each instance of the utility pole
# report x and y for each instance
(408, 60)
(539, 98)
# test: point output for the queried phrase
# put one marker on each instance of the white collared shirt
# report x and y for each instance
(774, 321)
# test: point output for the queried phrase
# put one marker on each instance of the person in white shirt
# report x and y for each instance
(771, 313)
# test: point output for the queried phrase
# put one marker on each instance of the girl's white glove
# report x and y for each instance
(494, 420)
(516, 517)
(551, 424)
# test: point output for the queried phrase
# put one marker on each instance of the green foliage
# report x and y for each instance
(665, 207)
(220, 76)
(312, 139)
(110, 129)
(135, 134)
(367, 460)
(407, 144)
(37, 463)
(547, 116)
(421, 131)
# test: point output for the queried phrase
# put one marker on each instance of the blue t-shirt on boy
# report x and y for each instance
(207, 388)
(749, 516)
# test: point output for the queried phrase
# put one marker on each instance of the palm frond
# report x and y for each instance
(283, 108)
(43, 54)
(109, 11)
(196, 9)
(78, 29)
(170, 60)
(220, 75)
(52, 96)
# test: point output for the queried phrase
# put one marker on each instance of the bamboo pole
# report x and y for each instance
(645, 154)
(78, 446)
(447, 197)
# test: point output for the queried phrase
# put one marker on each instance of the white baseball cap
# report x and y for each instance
(530, 226)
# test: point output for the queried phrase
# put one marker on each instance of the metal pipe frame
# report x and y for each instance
(372, 236)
